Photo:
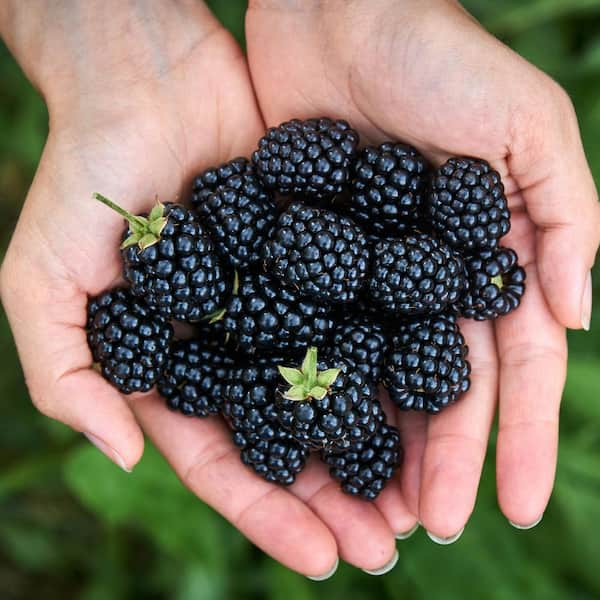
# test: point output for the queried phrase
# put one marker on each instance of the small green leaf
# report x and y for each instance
(148, 240)
(138, 228)
(309, 366)
(157, 212)
(326, 378)
(296, 393)
(132, 240)
(292, 376)
(236, 282)
(318, 392)
(157, 226)
(215, 316)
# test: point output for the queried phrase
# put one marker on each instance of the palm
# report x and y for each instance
(392, 82)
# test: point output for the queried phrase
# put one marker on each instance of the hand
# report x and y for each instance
(140, 100)
(423, 71)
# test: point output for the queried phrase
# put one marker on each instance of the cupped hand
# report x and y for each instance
(424, 71)
(138, 104)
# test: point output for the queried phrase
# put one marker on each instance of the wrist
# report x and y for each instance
(101, 53)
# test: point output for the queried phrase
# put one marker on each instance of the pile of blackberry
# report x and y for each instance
(310, 275)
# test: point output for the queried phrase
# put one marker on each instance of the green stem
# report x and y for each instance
(125, 214)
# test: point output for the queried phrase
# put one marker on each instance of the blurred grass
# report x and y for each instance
(73, 526)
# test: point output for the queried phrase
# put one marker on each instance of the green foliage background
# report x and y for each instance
(73, 526)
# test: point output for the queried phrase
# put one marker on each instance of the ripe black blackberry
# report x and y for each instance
(321, 254)
(236, 210)
(415, 274)
(250, 408)
(310, 157)
(238, 174)
(128, 340)
(365, 468)
(263, 317)
(467, 205)
(330, 407)
(389, 187)
(361, 341)
(496, 284)
(170, 262)
(427, 368)
(194, 378)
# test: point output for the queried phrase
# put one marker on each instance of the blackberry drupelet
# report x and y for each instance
(415, 274)
(365, 468)
(389, 187)
(467, 205)
(321, 254)
(250, 408)
(427, 368)
(170, 262)
(496, 284)
(310, 157)
(128, 340)
(194, 378)
(238, 174)
(361, 341)
(262, 317)
(330, 407)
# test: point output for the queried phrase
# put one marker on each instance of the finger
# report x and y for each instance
(363, 536)
(532, 351)
(457, 441)
(205, 459)
(561, 199)
(50, 337)
(391, 502)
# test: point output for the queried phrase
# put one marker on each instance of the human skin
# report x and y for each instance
(142, 96)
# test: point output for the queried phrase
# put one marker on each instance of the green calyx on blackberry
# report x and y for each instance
(262, 317)
(194, 377)
(365, 468)
(327, 407)
(311, 157)
(236, 210)
(496, 284)
(360, 341)
(321, 254)
(427, 367)
(170, 262)
(415, 274)
(250, 408)
(389, 187)
(128, 340)
(467, 205)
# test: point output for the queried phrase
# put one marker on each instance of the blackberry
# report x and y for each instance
(330, 407)
(319, 253)
(238, 174)
(365, 468)
(310, 157)
(171, 263)
(427, 368)
(360, 341)
(467, 205)
(250, 408)
(496, 284)
(236, 210)
(194, 378)
(128, 340)
(389, 187)
(415, 274)
(263, 317)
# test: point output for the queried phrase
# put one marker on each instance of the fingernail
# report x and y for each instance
(108, 451)
(445, 541)
(407, 534)
(530, 526)
(586, 303)
(328, 574)
(386, 568)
